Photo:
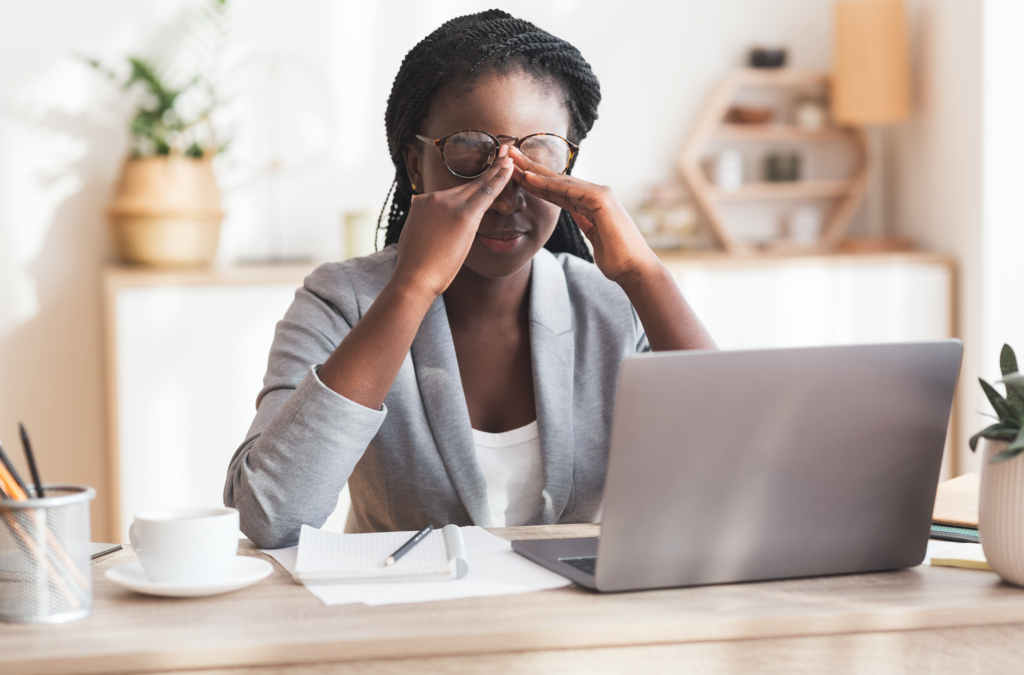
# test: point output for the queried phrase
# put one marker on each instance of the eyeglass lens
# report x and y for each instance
(467, 152)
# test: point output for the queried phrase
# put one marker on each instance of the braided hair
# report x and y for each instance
(465, 48)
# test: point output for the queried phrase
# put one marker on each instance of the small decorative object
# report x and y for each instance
(871, 88)
(668, 220)
(166, 211)
(360, 233)
(805, 225)
(1001, 506)
(729, 170)
(166, 208)
(767, 57)
(742, 114)
(782, 167)
(810, 114)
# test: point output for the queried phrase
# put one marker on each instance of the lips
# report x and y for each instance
(501, 242)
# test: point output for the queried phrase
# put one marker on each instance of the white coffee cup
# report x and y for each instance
(185, 545)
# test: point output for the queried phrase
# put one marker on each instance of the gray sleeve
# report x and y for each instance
(306, 439)
(642, 345)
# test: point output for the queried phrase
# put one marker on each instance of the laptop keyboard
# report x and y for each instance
(586, 564)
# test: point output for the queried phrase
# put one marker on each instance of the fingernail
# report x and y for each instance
(503, 150)
(507, 162)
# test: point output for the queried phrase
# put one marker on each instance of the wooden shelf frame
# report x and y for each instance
(765, 191)
(780, 132)
(710, 128)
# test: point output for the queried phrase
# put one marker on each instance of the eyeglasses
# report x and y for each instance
(467, 154)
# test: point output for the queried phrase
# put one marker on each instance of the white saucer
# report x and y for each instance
(244, 571)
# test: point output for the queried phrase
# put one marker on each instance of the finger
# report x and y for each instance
(467, 189)
(569, 193)
(482, 191)
(525, 163)
(582, 223)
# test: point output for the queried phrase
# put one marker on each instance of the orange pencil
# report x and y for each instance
(10, 485)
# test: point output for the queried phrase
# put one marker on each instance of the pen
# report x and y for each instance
(408, 546)
(31, 461)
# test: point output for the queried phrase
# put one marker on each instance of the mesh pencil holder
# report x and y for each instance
(45, 555)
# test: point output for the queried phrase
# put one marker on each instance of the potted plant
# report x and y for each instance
(1001, 505)
(166, 209)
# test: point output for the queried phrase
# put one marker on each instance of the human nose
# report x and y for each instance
(510, 200)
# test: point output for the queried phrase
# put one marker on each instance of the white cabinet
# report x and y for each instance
(187, 350)
(819, 300)
(186, 353)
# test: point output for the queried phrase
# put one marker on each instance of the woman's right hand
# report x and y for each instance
(441, 226)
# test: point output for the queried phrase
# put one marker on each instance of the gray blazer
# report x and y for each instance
(414, 461)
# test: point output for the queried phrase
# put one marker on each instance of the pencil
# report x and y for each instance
(407, 546)
(10, 485)
(31, 461)
(10, 468)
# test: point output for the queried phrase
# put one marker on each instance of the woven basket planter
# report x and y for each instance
(166, 212)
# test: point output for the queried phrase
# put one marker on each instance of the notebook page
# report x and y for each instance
(330, 557)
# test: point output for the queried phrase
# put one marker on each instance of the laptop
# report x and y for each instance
(744, 466)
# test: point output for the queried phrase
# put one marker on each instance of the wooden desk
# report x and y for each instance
(926, 619)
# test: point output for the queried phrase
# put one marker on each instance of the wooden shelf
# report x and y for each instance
(779, 132)
(777, 77)
(118, 275)
(806, 189)
(848, 193)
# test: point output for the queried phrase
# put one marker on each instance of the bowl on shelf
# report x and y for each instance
(741, 114)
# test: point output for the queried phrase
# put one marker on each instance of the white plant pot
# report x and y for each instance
(1001, 512)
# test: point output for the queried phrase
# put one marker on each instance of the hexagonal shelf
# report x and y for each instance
(711, 127)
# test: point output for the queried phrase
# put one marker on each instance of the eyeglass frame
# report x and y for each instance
(516, 143)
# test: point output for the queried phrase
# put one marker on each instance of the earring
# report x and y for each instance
(414, 188)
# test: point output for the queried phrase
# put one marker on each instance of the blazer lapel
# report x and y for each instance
(552, 346)
(437, 372)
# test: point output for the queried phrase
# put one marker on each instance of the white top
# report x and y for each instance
(512, 467)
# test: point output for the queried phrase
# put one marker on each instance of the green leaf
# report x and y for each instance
(1007, 360)
(1018, 441)
(144, 72)
(996, 432)
(1007, 414)
(1005, 455)
(1014, 390)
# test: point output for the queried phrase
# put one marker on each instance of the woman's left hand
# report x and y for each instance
(620, 253)
(619, 249)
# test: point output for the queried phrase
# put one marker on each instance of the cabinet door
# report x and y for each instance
(827, 304)
(190, 362)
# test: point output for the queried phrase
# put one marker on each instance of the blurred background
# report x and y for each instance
(863, 188)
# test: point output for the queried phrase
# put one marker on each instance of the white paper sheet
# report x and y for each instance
(494, 569)
(937, 548)
(335, 558)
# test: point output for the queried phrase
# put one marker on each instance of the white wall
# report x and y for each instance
(937, 177)
(1002, 245)
(61, 141)
(958, 178)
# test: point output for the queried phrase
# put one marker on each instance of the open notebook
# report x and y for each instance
(330, 558)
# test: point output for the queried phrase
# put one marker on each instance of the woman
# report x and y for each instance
(466, 373)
